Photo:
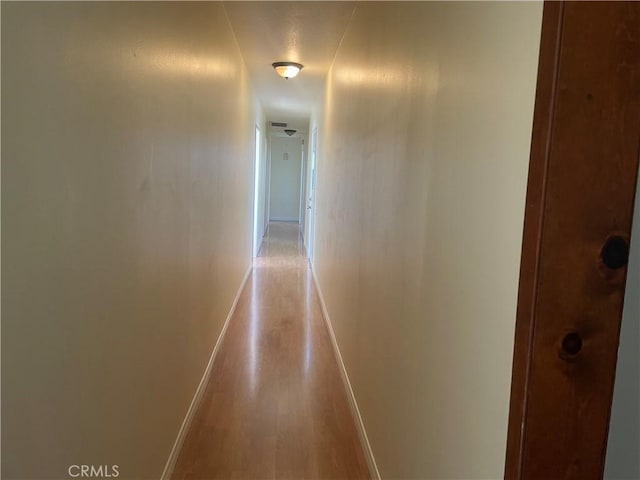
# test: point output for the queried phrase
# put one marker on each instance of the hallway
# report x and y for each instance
(463, 173)
(275, 405)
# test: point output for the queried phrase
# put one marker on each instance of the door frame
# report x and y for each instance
(579, 207)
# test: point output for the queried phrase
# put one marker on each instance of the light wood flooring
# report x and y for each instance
(275, 406)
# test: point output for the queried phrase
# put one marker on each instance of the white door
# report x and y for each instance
(257, 230)
(311, 197)
(302, 202)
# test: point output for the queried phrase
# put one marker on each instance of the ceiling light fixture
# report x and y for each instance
(290, 132)
(287, 70)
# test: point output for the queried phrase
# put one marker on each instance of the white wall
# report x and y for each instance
(423, 154)
(623, 460)
(127, 137)
(286, 159)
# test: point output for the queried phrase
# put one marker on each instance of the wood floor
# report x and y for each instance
(275, 406)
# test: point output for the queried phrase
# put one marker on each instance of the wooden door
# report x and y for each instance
(582, 181)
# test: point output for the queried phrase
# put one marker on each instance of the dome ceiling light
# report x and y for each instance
(287, 70)
(290, 132)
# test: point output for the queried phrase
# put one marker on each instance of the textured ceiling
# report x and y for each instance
(304, 32)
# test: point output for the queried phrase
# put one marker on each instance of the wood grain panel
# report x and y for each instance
(584, 162)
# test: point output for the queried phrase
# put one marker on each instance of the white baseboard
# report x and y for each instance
(284, 219)
(364, 440)
(197, 398)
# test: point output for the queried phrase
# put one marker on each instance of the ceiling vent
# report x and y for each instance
(279, 124)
